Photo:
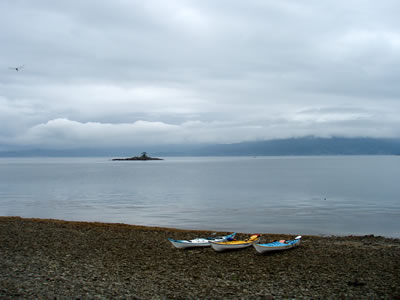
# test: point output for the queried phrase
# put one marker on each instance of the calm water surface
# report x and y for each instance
(299, 195)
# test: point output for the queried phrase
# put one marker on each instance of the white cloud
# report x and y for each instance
(67, 133)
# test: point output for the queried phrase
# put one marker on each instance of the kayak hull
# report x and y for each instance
(221, 247)
(199, 242)
(277, 246)
(234, 245)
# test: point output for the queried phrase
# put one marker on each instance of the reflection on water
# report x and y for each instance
(298, 195)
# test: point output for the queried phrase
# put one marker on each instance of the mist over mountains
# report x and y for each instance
(280, 147)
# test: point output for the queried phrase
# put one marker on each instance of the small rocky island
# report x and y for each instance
(142, 157)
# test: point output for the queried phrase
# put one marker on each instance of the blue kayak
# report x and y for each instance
(278, 245)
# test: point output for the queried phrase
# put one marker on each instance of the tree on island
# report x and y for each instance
(142, 157)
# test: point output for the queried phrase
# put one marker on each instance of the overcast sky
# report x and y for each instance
(126, 72)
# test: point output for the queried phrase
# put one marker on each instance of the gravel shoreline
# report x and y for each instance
(54, 259)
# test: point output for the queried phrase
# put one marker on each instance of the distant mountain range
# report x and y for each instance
(308, 146)
(279, 147)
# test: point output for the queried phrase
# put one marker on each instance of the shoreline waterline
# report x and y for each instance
(56, 259)
(176, 229)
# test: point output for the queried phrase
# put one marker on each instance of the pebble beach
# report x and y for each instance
(55, 259)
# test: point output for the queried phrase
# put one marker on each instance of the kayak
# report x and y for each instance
(200, 242)
(231, 245)
(277, 245)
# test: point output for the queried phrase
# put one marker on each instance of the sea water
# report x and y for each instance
(324, 195)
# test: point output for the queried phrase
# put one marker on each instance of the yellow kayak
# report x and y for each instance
(227, 245)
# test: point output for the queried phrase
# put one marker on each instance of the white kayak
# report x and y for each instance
(277, 245)
(232, 245)
(200, 242)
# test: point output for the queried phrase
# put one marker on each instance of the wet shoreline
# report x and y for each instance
(63, 260)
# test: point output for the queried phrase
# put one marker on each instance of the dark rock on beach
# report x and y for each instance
(53, 259)
(142, 157)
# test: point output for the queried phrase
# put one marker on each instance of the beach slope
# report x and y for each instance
(68, 260)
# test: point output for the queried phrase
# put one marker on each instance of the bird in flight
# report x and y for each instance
(17, 68)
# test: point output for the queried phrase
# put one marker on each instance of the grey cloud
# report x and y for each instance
(207, 71)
